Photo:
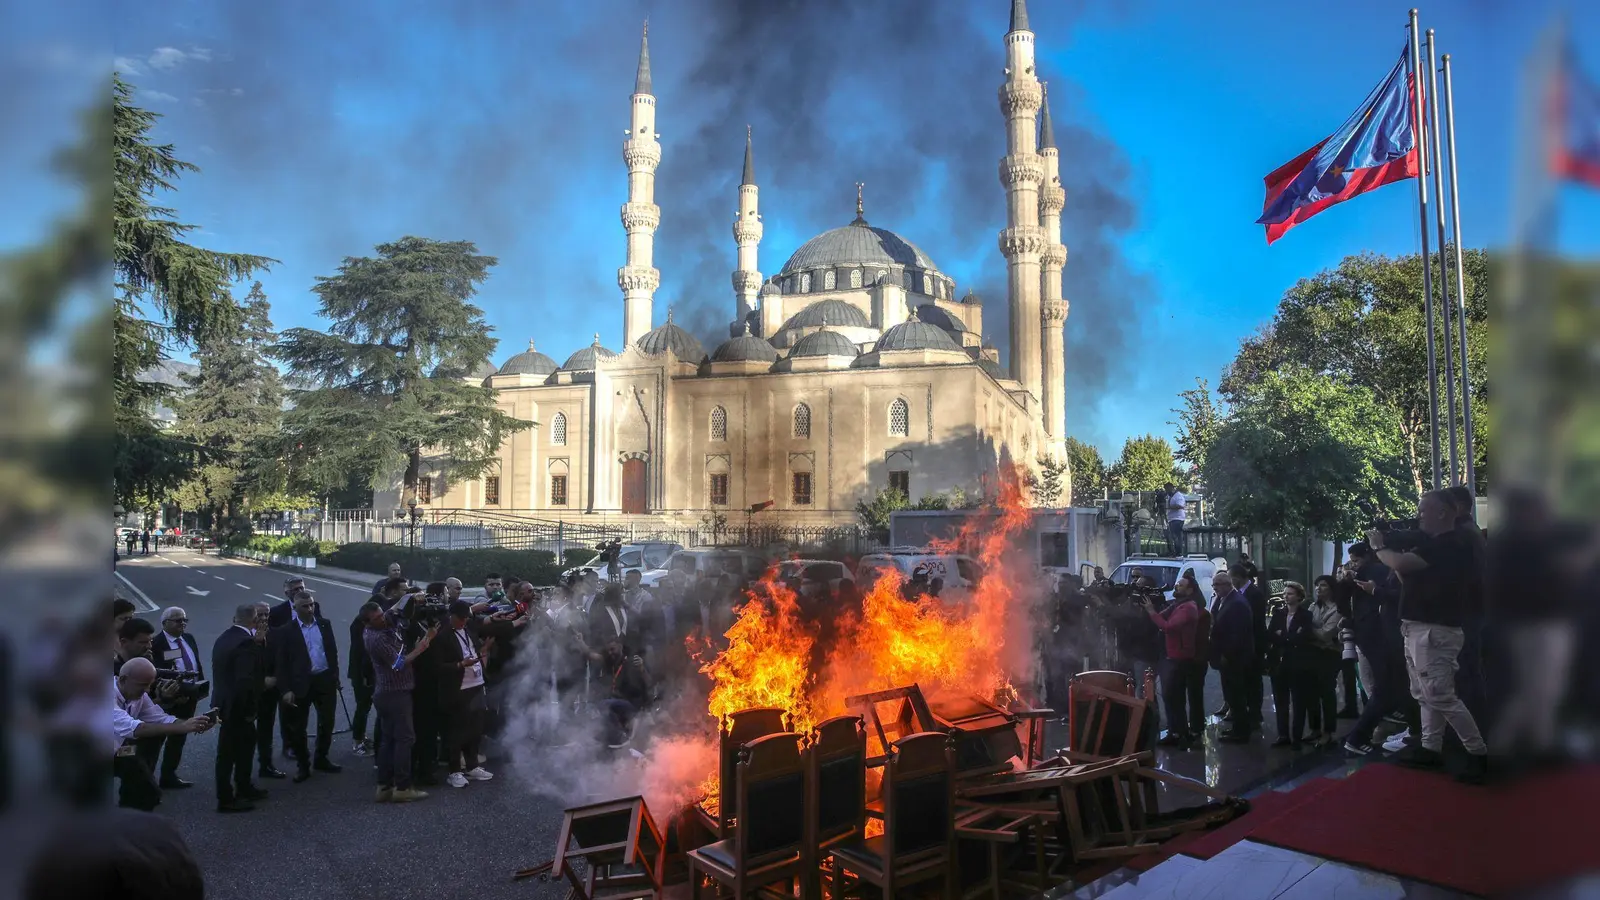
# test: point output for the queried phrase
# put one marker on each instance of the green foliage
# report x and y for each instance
(1051, 479)
(1363, 323)
(282, 545)
(1145, 465)
(389, 371)
(577, 556)
(1088, 471)
(168, 293)
(1198, 420)
(471, 566)
(1299, 450)
(874, 514)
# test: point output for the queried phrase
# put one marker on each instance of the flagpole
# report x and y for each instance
(1437, 158)
(1418, 110)
(1461, 281)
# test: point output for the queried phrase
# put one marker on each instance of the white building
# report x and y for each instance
(856, 367)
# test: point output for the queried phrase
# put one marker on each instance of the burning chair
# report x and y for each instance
(918, 843)
(741, 728)
(771, 775)
(836, 794)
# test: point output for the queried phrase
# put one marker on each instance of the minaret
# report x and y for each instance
(1053, 309)
(640, 215)
(1022, 241)
(747, 235)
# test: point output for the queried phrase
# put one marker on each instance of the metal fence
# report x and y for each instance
(1212, 540)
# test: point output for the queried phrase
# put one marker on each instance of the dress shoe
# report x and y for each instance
(324, 765)
(253, 795)
(385, 794)
(302, 775)
(407, 795)
(1419, 757)
(174, 783)
(1222, 712)
(1476, 770)
(270, 772)
(233, 806)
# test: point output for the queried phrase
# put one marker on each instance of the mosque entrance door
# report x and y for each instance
(634, 498)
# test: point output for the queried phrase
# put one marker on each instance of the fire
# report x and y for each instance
(964, 642)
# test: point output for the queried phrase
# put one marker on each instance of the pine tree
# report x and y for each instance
(232, 410)
(168, 293)
(388, 371)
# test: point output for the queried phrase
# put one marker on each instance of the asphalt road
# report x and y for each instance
(326, 838)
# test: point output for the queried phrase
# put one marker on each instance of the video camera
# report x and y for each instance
(190, 685)
(1399, 535)
(431, 607)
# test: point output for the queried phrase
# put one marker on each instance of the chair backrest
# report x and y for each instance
(1106, 680)
(741, 728)
(770, 784)
(1084, 718)
(919, 794)
(837, 762)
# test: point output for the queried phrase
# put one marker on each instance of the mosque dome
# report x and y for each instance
(528, 362)
(833, 312)
(584, 360)
(993, 368)
(824, 343)
(685, 345)
(857, 244)
(935, 315)
(744, 348)
(915, 334)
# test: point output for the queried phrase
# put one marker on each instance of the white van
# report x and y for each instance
(1164, 570)
(956, 570)
(640, 557)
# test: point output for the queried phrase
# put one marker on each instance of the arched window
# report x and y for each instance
(558, 429)
(855, 278)
(829, 280)
(802, 421)
(719, 424)
(899, 418)
(805, 282)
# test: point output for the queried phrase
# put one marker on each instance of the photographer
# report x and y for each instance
(1437, 588)
(463, 702)
(1369, 599)
(134, 716)
(630, 691)
(392, 668)
(133, 642)
(179, 694)
(1183, 673)
(427, 611)
(362, 679)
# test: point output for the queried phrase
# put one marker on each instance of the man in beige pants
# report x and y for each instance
(1436, 589)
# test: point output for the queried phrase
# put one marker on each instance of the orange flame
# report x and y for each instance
(767, 660)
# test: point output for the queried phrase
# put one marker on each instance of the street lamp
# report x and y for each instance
(415, 518)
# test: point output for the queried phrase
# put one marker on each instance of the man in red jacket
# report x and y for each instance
(1183, 672)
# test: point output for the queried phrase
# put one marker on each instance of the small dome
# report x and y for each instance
(915, 334)
(935, 315)
(584, 360)
(993, 368)
(771, 290)
(829, 312)
(682, 343)
(528, 362)
(482, 370)
(824, 343)
(745, 348)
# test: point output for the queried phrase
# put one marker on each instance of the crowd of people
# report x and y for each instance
(1398, 625)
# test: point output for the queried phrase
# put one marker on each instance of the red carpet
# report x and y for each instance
(1427, 827)
(1263, 809)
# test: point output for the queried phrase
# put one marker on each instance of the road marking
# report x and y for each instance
(197, 592)
(272, 596)
(138, 594)
(219, 578)
(342, 584)
(245, 586)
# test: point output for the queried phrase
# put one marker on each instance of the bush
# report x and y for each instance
(282, 545)
(577, 556)
(471, 566)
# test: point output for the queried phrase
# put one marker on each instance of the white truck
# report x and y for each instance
(1057, 540)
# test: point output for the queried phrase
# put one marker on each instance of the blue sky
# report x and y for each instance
(325, 128)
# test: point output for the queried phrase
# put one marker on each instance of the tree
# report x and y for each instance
(1197, 423)
(1362, 322)
(1047, 485)
(168, 293)
(232, 411)
(1145, 465)
(1088, 471)
(389, 371)
(1299, 453)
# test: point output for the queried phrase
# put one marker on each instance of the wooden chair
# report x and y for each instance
(770, 789)
(606, 836)
(918, 843)
(742, 727)
(836, 794)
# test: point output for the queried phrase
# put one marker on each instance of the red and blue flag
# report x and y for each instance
(1578, 109)
(1375, 146)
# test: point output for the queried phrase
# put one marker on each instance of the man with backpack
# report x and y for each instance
(1186, 626)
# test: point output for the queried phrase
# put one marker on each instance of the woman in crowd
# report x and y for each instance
(1292, 660)
(1325, 631)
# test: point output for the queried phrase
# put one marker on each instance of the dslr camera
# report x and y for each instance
(430, 608)
(191, 687)
(1400, 535)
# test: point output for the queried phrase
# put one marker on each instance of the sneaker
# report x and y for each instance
(1355, 749)
(407, 795)
(385, 794)
(362, 748)
(456, 780)
(1395, 718)
(1397, 741)
(479, 774)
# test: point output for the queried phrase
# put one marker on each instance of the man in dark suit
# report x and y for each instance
(282, 612)
(236, 691)
(173, 649)
(1233, 653)
(306, 663)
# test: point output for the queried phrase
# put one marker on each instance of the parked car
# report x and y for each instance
(812, 577)
(1164, 570)
(640, 557)
(955, 570)
(746, 563)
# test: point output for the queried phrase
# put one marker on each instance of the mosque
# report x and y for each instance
(856, 367)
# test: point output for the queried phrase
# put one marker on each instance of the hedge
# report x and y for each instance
(283, 545)
(471, 566)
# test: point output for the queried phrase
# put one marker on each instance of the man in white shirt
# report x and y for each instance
(134, 715)
(1177, 512)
